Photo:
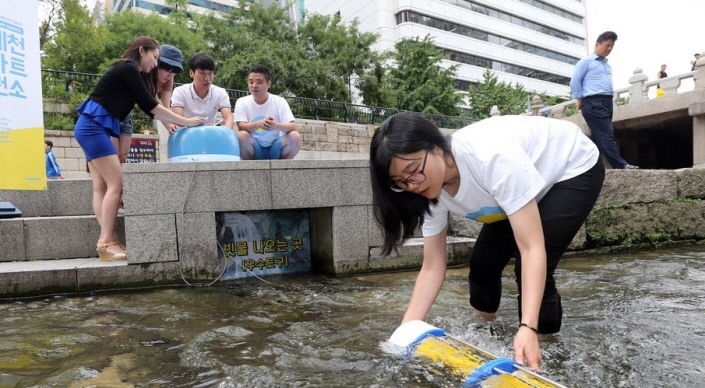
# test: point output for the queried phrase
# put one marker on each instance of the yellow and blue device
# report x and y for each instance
(477, 367)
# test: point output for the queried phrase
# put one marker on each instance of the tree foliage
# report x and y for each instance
(323, 59)
(375, 88)
(47, 26)
(124, 27)
(179, 15)
(254, 34)
(509, 99)
(78, 42)
(419, 81)
(346, 52)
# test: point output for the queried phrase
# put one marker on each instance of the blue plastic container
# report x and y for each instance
(203, 144)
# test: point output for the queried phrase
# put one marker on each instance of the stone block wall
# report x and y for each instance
(70, 156)
(316, 137)
(335, 137)
(170, 208)
(635, 209)
(169, 218)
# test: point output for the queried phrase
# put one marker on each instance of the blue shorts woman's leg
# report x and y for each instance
(93, 138)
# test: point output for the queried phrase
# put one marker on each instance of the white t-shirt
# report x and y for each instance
(185, 97)
(506, 161)
(247, 110)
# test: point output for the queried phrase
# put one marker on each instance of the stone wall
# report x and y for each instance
(336, 137)
(659, 206)
(316, 137)
(70, 156)
(647, 207)
(637, 209)
(169, 221)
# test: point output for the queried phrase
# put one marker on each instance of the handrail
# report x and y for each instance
(303, 108)
(638, 91)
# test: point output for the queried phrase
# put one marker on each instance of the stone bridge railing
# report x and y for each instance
(663, 133)
(637, 91)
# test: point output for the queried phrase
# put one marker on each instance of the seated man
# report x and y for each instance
(201, 97)
(266, 125)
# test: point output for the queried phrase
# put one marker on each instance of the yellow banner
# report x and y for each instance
(22, 159)
(22, 165)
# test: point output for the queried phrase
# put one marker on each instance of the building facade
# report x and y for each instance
(535, 43)
(160, 6)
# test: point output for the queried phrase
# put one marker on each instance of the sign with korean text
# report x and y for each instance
(142, 151)
(21, 122)
(264, 242)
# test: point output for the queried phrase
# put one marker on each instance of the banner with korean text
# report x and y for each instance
(256, 243)
(22, 165)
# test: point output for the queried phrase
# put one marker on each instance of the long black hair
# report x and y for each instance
(400, 214)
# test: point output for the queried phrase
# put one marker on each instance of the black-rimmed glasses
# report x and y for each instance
(413, 179)
(168, 68)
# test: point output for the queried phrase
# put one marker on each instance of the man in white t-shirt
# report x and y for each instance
(267, 129)
(201, 98)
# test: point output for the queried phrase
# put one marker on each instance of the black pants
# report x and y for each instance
(563, 210)
(597, 112)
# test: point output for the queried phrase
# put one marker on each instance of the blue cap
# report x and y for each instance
(171, 56)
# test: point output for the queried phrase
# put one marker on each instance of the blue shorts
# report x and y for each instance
(93, 130)
(126, 127)
(274, 151)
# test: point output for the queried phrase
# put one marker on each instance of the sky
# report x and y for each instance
(649, 34)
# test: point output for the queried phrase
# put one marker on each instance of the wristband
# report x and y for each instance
(535, 330)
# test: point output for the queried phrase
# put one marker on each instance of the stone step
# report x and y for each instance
(43, 238)
(43, 277)
(63, 197)
(71, 276)
(410, 254)
(330, 155)
(87, 274)
(75, 175)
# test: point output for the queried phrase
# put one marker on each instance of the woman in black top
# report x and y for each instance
(662, 73)
(112, 99)
(169, 65)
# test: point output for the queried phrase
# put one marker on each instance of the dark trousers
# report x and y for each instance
(597, 112)
(563, 211)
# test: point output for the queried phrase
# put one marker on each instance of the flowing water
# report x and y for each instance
(630, 320)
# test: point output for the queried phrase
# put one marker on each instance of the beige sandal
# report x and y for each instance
(104, 255)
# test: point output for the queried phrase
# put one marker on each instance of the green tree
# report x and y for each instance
(78, 42)
(509, 99)
(342, 48)
(124, 27)
(253, 34)
(179, 14)
(323, 59)
(419, 82)
(47, 26)
(375, 88)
